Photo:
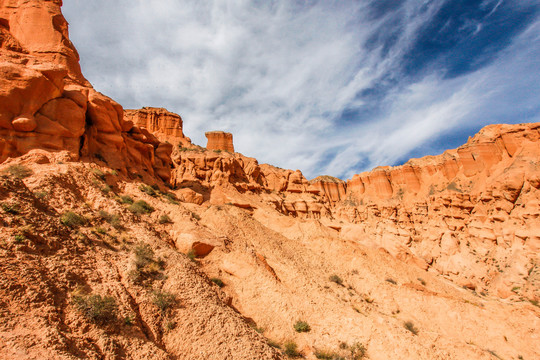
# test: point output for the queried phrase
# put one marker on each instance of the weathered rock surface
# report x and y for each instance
(219, 140)
(46, 103)
(161, 123)
(470, 214)
(399, 238)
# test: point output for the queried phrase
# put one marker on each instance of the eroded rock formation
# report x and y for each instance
(219, 140)
(161, 123)
(46, 103)
(268, 235)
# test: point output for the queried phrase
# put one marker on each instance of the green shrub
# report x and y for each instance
(129, 320)
(335, 278)
(99, 230)
(72, 219)
(99, 174)
(140, 207)
(164, 219)
(302, 326)
(146, 267)
(172, 198)
(195, 216)
(148, 190)
(126, 199)
(11, 209)
(454, 187)
(115, 221)
(170, 325)
(410, 326)
(112, 219)
(143, 255)
(18, 171)
(19, 238)
(326, 355)
(274, 344)
(291, 349)
(96, 307)
(358, 351)
(422, 281)
(41, 194)
(218, 282)
(106, 189)
(163, 300)
(191, 254)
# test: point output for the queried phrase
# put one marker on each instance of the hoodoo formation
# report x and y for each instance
(121, 239)
(219, 140)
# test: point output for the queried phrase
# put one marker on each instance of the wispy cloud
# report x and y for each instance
(334, 87)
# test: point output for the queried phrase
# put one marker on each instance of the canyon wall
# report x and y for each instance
(46, 103)
(470, 214)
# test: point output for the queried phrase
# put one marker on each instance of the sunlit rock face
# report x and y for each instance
(219, 140)
(46, 103)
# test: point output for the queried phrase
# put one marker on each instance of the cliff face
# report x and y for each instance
(219, 140)
(46, 103)
(396, 240)
(163, 124)
(470, 214)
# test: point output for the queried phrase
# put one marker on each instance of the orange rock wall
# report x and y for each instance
(219, 140)
(464, 214)
(163, 124)
(46, 103)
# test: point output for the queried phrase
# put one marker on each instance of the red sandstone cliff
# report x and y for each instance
(469, 215)
(46, 103)
(219, 140)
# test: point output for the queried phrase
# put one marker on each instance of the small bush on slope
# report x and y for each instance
(302, 326)
(18, 171)
(72, 219)
(140, 207)
(96, 307)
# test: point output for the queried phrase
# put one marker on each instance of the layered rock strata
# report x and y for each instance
(46, 103)
(161, 123)
(219, 140)
(470, 214)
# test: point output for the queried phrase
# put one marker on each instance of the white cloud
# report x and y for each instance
(278, 74)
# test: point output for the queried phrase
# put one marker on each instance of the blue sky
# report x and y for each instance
(327, 87)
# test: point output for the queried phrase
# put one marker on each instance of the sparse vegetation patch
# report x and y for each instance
(218, 282)
(410, 326)
(164, 219)
(72, 219)
(140, 207)
(126, 199)
(301, 326)
(163, 300)
(336, 279)
(10, 208)
(18, 171)
(148, 190)
(291, 349)
(96, 307)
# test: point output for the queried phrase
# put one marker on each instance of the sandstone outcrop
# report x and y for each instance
(219, 140)
(263, 246)
(161, 123)
(470, 214)
(46, 103)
